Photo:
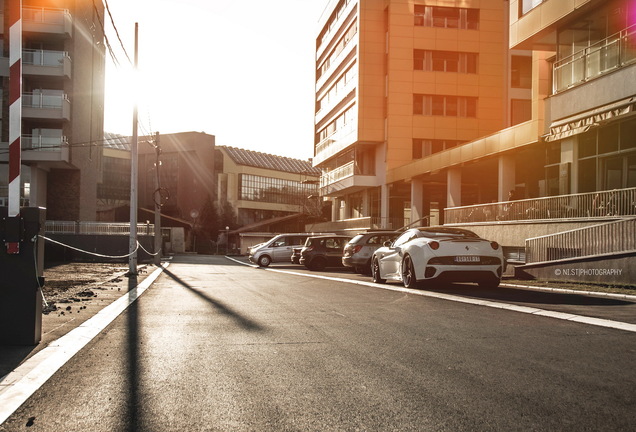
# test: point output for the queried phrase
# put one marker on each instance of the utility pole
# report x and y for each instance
(134, 161)
(157, 195)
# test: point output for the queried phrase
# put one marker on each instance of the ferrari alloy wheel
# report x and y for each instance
(375, 272)
(408, 273)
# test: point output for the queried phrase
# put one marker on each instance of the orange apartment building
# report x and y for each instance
(514, 119)
(404, 89)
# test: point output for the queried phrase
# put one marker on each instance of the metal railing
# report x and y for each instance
(96, 228)
(24, 196)
(44, 57)
(611, 237)
(43, 100)
(617, 202)
(44, 143)
(593, 61)
(44, 15)
(344, 171)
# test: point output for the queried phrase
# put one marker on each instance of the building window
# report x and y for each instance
(274, 190)
(521, 72)
(445, 105)
(609, 151)
(520, 111)
(446, 17)
(528, 5)
(444, 61)
(427, 147)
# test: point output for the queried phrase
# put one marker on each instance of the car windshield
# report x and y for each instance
(446, 232)
(356, 238)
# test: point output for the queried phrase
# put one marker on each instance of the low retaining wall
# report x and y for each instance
(618, 268)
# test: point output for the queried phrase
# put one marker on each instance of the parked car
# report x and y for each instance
(358, 252)
(295, 257)
(276, 249)
(423, 255)
(323, 251)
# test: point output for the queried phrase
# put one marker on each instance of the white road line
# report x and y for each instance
(19, 385)
(492, 304)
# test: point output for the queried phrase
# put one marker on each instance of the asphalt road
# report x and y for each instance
(218, 346)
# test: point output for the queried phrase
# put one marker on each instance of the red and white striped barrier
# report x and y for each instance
(15, 112)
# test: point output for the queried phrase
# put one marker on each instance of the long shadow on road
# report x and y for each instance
(134, 411)
(244, 322)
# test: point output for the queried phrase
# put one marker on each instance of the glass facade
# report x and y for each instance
(274, 190)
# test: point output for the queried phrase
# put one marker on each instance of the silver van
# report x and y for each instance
(277, 249)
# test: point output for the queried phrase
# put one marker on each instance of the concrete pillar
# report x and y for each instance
(417, 201)
(505, 176)
(454, 187)
(38, 187)
(335, 209)
(569, 154)
(384, 205)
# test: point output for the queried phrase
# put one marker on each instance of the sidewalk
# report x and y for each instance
(73, 293)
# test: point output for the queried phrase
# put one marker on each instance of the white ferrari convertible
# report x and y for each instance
(420, 256)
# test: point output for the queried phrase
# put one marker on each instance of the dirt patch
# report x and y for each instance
(72, 282)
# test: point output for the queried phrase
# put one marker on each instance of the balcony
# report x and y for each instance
(617, 51)
(45, 105)
(330, 101)
(345, 178)
(24, 196)
(43, 143)
(46, 63)
(47, 20)
(336, 142)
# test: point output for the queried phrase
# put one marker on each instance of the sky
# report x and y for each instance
(242, 71)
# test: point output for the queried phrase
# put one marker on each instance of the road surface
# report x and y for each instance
(214, 345)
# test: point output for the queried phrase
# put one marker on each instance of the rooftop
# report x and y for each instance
(269, 161)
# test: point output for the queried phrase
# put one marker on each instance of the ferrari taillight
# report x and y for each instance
(494, 245)
(434, 245)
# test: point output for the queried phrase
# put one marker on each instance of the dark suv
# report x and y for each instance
(323, 251)
(358, 252)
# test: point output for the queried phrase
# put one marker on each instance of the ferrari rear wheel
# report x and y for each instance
(408, 272)
(375, 272)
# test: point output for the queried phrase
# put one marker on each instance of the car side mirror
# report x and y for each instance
(387, 243)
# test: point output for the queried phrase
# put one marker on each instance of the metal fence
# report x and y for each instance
(618, 202)
(611, 237)
(96, 228)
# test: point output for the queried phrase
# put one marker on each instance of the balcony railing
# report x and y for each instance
(45, 15)
(612, 237)
(4, 194)
(607, 55)
(44, 57)
(344, 171)
(43, 100)
(43, 143)
(618, 202)
(332, 140)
